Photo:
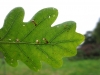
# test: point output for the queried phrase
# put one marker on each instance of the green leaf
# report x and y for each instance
(35, 41)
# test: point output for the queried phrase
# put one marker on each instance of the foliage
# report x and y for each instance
(96, 32)
(36, 41)
(88, 51)
(80, 67)
(89, 38)
(91, 46)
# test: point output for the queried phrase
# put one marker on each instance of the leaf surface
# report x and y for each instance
(35, 41)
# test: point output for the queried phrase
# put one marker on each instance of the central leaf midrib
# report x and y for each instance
(30, 43)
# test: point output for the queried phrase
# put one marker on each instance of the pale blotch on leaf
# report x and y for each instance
(47, 56)
(11, 59)
(45, 40)
(34, 22)
(9, 39)
(18, 61)
(53, 15)
(38, 70)
(23, 25)
(37, 41)
(17, 40)
(34, 67)
(49, 16)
